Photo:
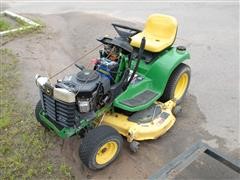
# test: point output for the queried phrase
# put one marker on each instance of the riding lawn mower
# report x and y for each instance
(134, 90)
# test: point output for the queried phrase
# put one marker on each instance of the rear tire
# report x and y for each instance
(100, 147)
(38, 109)
(177, 85)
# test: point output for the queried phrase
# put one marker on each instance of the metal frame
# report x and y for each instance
(171, 169)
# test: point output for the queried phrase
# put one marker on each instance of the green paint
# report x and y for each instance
(64, 133)
(156, 75)
(68, 132)
(122, 66)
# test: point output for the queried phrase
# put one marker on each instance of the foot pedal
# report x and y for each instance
(140, 99)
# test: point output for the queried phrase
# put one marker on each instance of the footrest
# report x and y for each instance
(140, 99)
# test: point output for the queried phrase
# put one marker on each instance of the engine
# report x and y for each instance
(92, 87)
(79, 96)
(92, 90)
(107, 68)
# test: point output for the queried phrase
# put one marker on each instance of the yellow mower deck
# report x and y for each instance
(142, 131)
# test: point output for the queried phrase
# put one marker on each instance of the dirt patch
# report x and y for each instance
(67, 37)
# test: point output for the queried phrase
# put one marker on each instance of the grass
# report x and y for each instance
(26, 149)
(27, 29)
(21, 22)
(4, 25)
(18, 34)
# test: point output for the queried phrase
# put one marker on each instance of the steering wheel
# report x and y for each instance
(125, 31)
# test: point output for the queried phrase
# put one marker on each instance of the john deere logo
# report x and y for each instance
(49, 91)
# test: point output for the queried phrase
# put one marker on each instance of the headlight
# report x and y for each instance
(36, 77)
(40, 81)
(84, 106)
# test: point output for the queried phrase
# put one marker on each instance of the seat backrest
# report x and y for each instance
(161, 26)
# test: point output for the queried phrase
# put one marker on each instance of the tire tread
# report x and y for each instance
(92, 141)
(168, 92)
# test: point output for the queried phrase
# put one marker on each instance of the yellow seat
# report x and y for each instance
(159, 31)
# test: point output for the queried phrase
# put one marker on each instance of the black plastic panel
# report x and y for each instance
(60, 112)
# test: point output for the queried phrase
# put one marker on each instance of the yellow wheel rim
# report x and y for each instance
(106, 152)
(181, 86)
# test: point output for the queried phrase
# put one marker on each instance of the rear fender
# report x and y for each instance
(155, 77)
(163, 67)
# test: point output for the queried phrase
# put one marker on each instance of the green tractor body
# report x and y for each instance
(155, 76)
(134, 71)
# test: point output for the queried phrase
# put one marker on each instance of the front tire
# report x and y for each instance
(177, 84)
(100, 147)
